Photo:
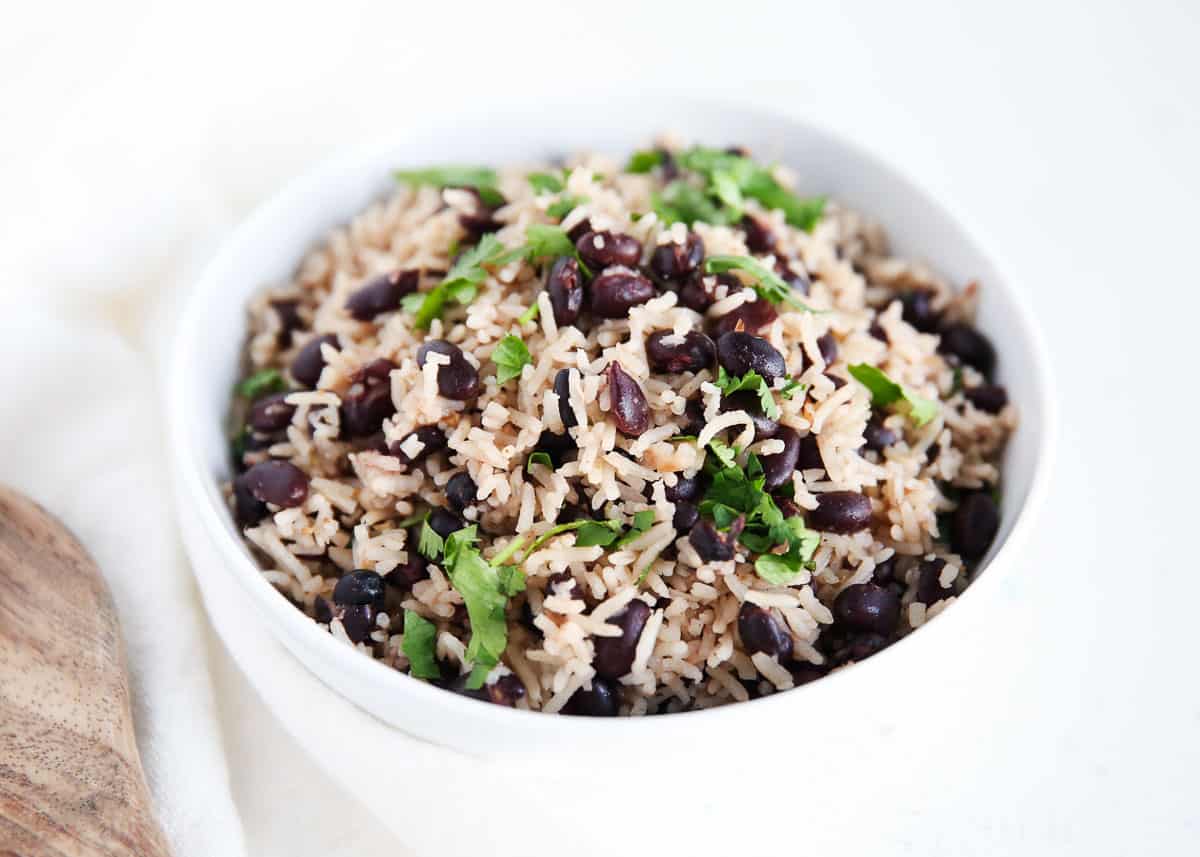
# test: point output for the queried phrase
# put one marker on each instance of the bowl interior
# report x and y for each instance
(266, 249)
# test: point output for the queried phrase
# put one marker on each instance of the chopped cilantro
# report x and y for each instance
(538, 457)
(723, 169)
(885, 391)
(545, 182)
(644, 161)
(642, 521)
(510, 356)
(769, 285)
(542, 240)
(602, 533)
(411, 519)
(564, 205)
(682, 438)
(462, 280)
(737, 492)
(681, 202)
(261, 383)
(429, 544)
(730, 384)
(791, 388)
(485, 588)
(529, 314)
(237, 444)
(482, 179)
(420, 636)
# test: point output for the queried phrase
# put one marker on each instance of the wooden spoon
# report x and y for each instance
(71, 781)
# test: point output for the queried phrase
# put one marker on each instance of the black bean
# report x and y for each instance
(382, 294)
(885, 571)
(690, 488)
(579, 230)
(432, 438)
(711, 544)
(615, 291)
(759, 238)
(693, 418)
(918, 310)
(368, 401)
(748, 401)
(694, 353)
(358, 620)
(760, 632)
(563, 583)
(841, 512)
(740, 353)
(976, 522)
(969, 346)
(803, 672)
(877, 436)
(565, 288)
(288, 312)
(271, 413)
(506, 690)
(602, 249)
(557, 446)
(477, 224)
(601, 701)
(247, 509)
(630, 411)
(796, 277)
(461, 490)
(444, 522)
(322, 612)
(810, 454)
(850, 646)
(779, 467)
(562, 389)
(868, 607)
(279, 482)
(990, 398)
(877, 332)
(308, 363)
(695, 295)
(676, 261)
(415, 569)
(685, 517)
(933, 451)
(753, 317)
(458, 379)
(929, 582)
(614, 655)
(828, 347)
(360, 586)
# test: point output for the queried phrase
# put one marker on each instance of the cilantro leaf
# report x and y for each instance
(512, 579)
(730, 384)
(754, 182)
(726, 454)
(481, 179)
(602, 533)
(681, 202)
(542, 240)
(885, 391)
(644, 161)
(529, 314)
(642, 521)
(538, 457)
(564, 205)
(430, 545)
(769, 285)
(510, 356)
(791, 388)
(462, 281)
(419, 646)
(545, 182)
(261, 383)
(781, 569)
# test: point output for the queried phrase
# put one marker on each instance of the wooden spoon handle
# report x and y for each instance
(71, 781)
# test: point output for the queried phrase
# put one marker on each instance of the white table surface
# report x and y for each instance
(1069, 131)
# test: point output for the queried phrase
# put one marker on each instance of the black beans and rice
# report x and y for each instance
(617, 439)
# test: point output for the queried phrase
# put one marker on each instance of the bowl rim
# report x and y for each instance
(193, 480)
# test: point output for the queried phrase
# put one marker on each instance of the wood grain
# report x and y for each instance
(71, 781)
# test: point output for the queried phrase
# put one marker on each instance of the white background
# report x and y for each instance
(133, 135)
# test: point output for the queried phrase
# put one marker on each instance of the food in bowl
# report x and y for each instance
(609, 437)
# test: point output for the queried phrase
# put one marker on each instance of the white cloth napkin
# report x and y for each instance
(80, 433)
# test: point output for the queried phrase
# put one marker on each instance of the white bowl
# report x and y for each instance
(266, 249)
